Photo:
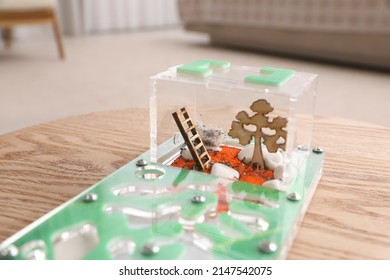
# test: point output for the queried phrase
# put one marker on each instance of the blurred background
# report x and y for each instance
(69, 57)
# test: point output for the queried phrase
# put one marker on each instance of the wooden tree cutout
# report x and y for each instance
(261, 121)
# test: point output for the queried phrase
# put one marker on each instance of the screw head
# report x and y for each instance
(141, 162)
(198, 199)
(90, 197)
(268, 247)
(318, 150)
(150, 249)
(9, 253)
(294, 196)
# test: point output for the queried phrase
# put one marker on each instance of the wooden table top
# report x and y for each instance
(43, 166)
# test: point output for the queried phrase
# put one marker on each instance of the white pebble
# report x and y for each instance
(224, 171)
(278, 172)
(271, 159)
(213, 149)
(245, 155)
(275, 184)
(185, 153)
(290, 170)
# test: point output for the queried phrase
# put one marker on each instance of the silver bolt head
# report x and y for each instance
(198, 199)
(141, 162)
(150, 249)
(268, 247)
(318, 150)
(90, 197)
(9, 252)
(294, 196)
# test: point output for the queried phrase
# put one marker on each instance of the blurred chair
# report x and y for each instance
(25, 12)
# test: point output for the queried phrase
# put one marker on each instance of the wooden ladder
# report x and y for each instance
(191, 137)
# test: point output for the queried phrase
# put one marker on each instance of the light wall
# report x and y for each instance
(121, 15)
(79, 17)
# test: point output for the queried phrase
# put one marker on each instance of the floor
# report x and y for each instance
(106, 72)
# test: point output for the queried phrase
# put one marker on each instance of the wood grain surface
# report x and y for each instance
(349, 217)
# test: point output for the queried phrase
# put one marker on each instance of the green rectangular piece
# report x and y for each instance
(162, 212)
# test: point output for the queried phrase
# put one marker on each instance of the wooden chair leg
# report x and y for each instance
(7, 37)
(58, 35)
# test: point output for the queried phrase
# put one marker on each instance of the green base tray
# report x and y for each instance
(132, 214)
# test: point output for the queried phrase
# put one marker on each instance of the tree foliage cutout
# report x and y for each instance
(261, 121)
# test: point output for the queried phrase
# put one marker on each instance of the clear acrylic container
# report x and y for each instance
(244, 209)
(213, 102)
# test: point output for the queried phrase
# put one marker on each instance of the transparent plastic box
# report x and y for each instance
(227, 216)
(213, 101)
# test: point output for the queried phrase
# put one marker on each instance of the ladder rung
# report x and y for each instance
(186, 121)
(181, 112)
(198, 146)
(203, 155)
(190, 128)
(184, 113)
(194, 137)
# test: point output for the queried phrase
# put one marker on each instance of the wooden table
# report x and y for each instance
(349, 217)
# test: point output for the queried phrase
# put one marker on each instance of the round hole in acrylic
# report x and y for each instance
(150, 172)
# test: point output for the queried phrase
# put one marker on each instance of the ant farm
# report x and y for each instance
(229, 175)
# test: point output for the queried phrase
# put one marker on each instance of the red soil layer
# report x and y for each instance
(228, 156)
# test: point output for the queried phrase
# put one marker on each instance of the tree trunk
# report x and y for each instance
(257, 158)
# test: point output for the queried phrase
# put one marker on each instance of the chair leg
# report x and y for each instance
(58, 35)
(7, 36)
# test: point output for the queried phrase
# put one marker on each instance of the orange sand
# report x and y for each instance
(228, 156)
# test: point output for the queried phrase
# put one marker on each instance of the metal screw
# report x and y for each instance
(141, 162)
(303, 148)
(318, 150)
(90, 197)
(294, 196)
(9, 252)
(150, 249)
(198, 199)
(268, 247)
